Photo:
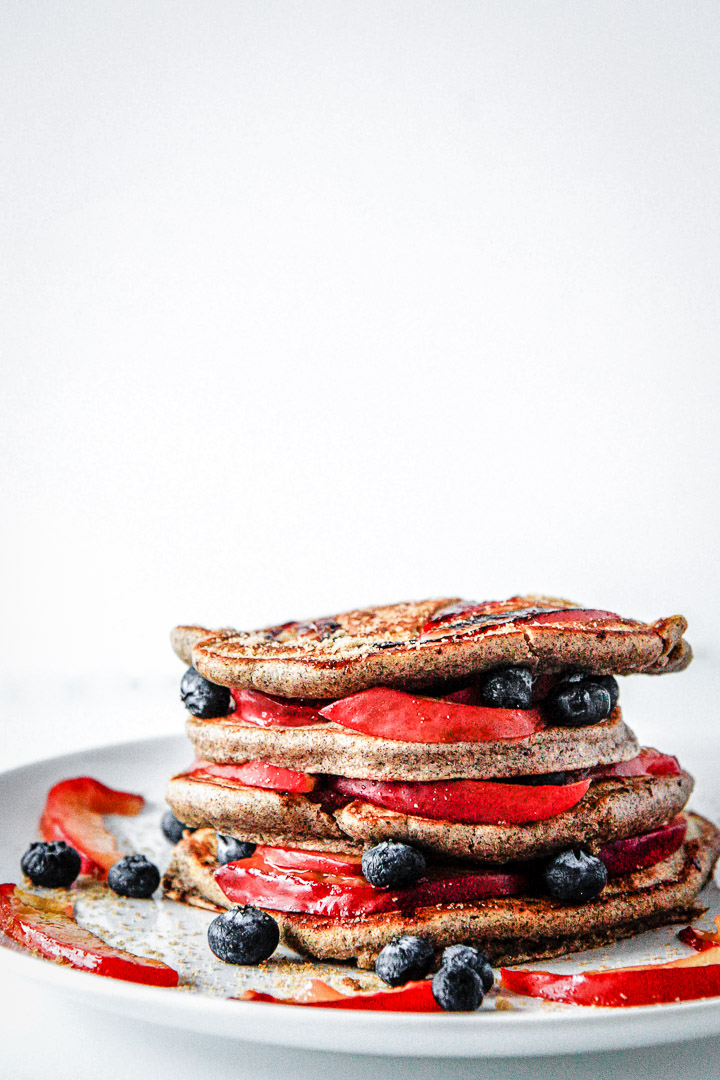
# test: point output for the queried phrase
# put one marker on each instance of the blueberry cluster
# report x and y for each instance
(579, 699)
(464, 977)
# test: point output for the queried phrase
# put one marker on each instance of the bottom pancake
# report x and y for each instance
(509, 929)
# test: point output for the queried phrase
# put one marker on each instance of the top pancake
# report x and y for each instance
(416, 645)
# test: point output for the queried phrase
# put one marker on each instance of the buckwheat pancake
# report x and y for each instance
(510, 929)
(415, 645)
(609, 810)
(329, 748)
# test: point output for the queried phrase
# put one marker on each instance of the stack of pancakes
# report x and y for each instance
(358, 782)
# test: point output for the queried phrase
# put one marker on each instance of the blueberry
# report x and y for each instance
(609, 682)
(574, 876)
(471, 957)
(392, 863)
(508, 688)
(457, 988)
(54, 865)
(204, 698)
(404, 959)
(173, 828)
(579, 703)
(134, 876)
(230, 850)
(243, 935)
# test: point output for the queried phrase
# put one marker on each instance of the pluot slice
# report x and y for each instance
(265, 710)
(688, 979)
(393, 714)
(258, 774)
(648, 762)
(637, 852)
(324, 862)
(472, 802)
(46, 927)
(259, 882)
(73, 813)
(413, 997)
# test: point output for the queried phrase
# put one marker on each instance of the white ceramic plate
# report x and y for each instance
(177, 934)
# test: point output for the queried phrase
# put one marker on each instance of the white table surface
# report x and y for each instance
(43, 1036)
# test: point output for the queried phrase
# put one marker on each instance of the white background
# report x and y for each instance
(311, 305)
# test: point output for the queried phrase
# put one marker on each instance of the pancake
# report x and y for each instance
(329, 748)
(509, 929)
(610, 809)
(415, 645)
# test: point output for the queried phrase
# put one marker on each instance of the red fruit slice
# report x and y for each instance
(323, 862)
(392, 714)
(649, 762)
(259, 882)
(688, 979)
(73, 813)
(47, 927)
(473, 802)
(413, 997)
(467, 615)
(252, 707)
(636, 852)
(701, 940)
(258, 774)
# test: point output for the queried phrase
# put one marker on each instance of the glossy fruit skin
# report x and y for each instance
(403, 960)
(54, 865)
(413, 997)
(688, 979)
(243, 935)
(471, 957)
(46, 927)
(231, 850)
(259, 774)
(575, 877)
(73, 813)
(471, 802)
(579, 704)
(394, 714)
(172, 828)
(203, 698)
(508, 688)
(262, 880)
(134, 876)
(393, 864)
(458, 988)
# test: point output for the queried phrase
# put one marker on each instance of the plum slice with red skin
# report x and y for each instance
(471, 802)
(267, 710)
(688, 979)
(260, 774)
(649, 762)
(413, 997)
(47, 927)
(262, 883)
(393, 714)
(637, 852)
(73, 813)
